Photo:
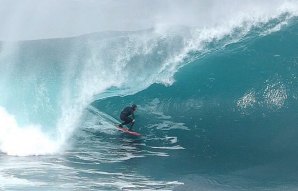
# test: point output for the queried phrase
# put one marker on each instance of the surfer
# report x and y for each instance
(125, 116)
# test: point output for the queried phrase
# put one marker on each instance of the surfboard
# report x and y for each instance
(125, 130)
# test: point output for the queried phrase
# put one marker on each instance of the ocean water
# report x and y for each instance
(217, 109)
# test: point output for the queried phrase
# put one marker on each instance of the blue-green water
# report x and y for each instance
(215, 114)
(234, 112)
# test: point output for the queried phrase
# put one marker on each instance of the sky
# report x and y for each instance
(37, 19)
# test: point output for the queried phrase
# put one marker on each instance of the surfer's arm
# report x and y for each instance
(133, 118)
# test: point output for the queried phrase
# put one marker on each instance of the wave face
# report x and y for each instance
(218, 100)
(245, 93)
(48, 83)
(233, 111)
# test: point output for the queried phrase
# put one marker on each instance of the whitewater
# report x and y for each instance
(216, 89)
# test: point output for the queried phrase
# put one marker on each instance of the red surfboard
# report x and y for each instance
(125, 130)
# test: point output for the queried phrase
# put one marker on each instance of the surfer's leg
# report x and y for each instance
(131, 125)
(127, 120)
(124, 119)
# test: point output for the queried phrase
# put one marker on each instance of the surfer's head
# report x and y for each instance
(134, 106)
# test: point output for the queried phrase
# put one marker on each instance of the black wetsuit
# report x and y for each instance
(124, 116)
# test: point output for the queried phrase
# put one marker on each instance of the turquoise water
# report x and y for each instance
(216, 112)
(234, 113)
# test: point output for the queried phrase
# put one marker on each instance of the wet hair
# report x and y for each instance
(134, 106)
